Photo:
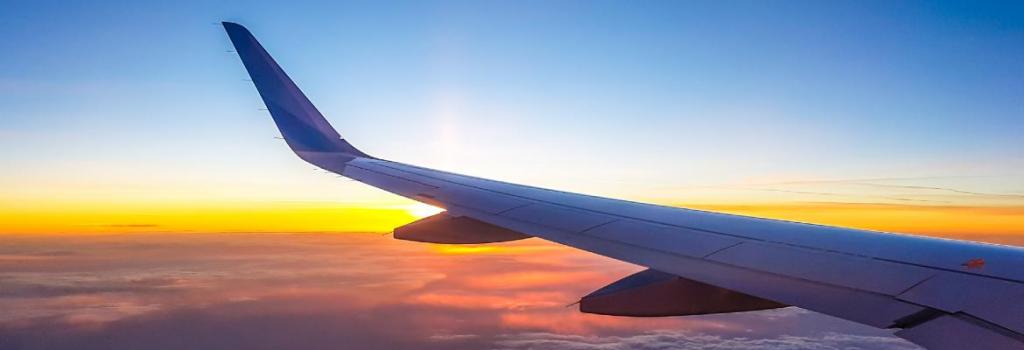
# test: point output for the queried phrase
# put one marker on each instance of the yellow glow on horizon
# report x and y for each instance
(459, 249)
(55, 217)
(944, 221)
(61, 218)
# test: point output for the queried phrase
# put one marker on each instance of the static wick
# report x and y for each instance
(975, 263)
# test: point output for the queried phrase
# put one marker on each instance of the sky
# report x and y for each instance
(130, 114)
(129, 133)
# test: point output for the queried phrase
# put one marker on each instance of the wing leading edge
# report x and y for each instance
(941, 294)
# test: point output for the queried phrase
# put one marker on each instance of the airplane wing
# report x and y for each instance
(938, 293)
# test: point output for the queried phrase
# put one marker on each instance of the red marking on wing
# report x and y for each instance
(975, 263)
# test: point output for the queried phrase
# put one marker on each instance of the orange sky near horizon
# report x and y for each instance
(952, 221)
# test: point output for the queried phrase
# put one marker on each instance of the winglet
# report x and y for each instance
(301, 124)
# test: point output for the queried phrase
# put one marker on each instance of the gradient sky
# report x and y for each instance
(135, 114)
(140, 105)
(128, 103)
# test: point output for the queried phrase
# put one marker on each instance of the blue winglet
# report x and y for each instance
(301, 124)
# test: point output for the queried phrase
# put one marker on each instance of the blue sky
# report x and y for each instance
(601, 97)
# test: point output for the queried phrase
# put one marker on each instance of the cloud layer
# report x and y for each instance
(273, 291)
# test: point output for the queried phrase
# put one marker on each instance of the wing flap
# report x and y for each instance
(984, 298)
(952, 332)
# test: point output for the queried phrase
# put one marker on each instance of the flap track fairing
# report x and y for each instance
(652, 293)
(446, 229)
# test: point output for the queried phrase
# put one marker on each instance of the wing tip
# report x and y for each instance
(302, 126)
(229, 24)
(234, 28)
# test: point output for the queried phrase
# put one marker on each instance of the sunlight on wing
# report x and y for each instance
(420, 210)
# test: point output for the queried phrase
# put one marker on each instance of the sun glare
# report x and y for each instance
(420, 210)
